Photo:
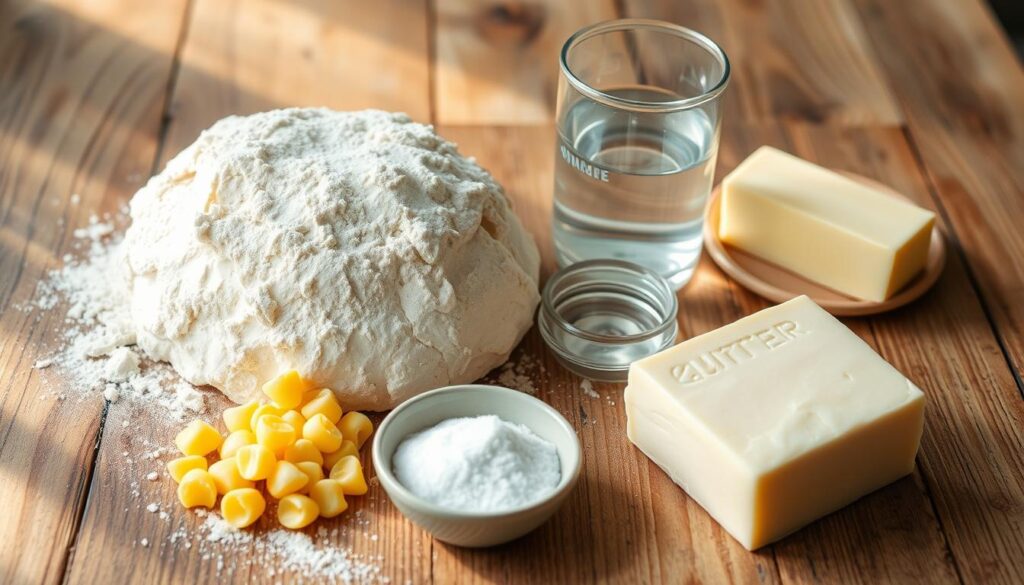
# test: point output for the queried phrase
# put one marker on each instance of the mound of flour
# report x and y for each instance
(359, 248)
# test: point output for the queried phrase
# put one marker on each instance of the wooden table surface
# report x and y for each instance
(924, 95)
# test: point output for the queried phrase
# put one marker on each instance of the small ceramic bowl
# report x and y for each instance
(475, 529)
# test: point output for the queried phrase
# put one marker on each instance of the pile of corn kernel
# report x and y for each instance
(298, 443)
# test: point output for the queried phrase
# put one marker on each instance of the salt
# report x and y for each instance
(478, 464)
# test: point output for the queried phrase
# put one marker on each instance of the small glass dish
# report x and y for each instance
(467, 528)
(599, 316)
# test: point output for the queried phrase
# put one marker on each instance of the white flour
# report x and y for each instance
(97, 361)
(122, 365)
(588, 389)
(95, 358)
(480, 464)
(433, 222)
(287, 550)
(519, 374)
(359, 248)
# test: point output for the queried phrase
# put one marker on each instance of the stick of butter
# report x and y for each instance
(823, 226)
(775, 420)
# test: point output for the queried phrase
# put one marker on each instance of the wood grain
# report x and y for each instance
(962, 87)
(608, 526)
(887, 536)
(807, 61)
(79, 113)
(626, 522)
(246, 56)
(890, 536)
(972, 434)
(935, 341)
(236, 59)
(83, 87)
(497, 62)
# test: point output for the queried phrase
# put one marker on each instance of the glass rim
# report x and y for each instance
(661, 26)
(636, 271)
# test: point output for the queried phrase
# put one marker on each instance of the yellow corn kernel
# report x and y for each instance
(242, 507)
(349, 473)
(356, 427)
(303, 450)
(297, 511)
(198, 438)
(347, 448)
(197, 488)
(235, 441)
(261, 410)
(237, 418)
(313, 472)
(294, 418)
(286, 390)
(226, 476)
(325, 403)
(285, 479)
(322, 433)
(182, 465)
(329, 497)
(310, 395)
(274, 434)
(255, 462)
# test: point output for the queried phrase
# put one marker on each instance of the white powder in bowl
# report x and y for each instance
(478, 464)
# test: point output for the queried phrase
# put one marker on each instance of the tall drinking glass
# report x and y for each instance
(638, 117)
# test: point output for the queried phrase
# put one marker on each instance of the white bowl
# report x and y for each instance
(475, 529)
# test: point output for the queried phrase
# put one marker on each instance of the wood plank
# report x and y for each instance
(962, 87)
(497, 62)
(889, 536)
(65, 127)
(897, 536)
(805, 61)
(960, 515)
(246, 56)
(626, 522)
(237, 58)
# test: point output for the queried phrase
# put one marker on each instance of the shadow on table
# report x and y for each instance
(568, 548)
(892, 523)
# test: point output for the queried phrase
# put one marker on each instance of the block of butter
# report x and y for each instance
(775, 420)
(823, 226)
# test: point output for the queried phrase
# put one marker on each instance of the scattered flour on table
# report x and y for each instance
(285, 550)
(122, 364)
(519, 374)
(588, 389)
(97, 357)
(97, 360)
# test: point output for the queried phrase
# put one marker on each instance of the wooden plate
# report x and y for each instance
(778, 284)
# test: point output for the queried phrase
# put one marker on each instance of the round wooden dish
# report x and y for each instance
(778, 284)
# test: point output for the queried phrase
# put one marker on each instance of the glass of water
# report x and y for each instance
(638, 117)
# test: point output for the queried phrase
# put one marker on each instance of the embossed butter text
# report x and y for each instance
(736, 352)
